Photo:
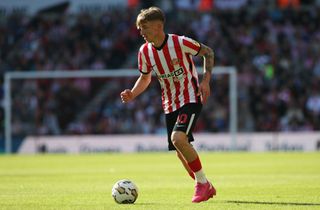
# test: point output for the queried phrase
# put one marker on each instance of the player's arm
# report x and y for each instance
(141, 84)
(208, 62)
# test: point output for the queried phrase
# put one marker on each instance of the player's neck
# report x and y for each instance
(159, 41)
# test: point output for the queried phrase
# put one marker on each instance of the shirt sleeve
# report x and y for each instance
(143, 65)
(190, 45)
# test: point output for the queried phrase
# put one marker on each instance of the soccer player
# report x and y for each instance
(169, 56)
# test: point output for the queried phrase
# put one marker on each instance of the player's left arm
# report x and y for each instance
(208, 62)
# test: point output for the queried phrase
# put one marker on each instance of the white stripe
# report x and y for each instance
(166, 69)
(190, 123)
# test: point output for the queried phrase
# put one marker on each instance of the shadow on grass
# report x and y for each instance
(145, 204)
(274, 203)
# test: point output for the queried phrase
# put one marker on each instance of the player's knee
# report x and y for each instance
(178, 138)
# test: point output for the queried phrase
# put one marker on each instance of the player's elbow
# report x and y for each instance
(146, 78)
(206, 51)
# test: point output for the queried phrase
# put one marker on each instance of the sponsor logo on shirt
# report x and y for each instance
(174, 74)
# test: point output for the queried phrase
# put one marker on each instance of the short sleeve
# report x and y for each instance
(143, 65)
(190, 46)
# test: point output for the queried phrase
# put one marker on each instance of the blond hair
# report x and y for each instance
(150, 14)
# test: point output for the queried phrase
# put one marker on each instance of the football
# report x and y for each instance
(124, 192)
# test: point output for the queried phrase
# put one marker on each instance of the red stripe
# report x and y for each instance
(180, 56)
(167, 84)
(190, 45)
(171, 68)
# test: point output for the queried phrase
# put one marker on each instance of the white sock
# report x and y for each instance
(200, 177)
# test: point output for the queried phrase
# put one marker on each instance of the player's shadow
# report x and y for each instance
(273, 203)
(145, 204)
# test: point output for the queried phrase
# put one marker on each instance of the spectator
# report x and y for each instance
(276, 52)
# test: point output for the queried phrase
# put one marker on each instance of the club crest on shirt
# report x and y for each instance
(175, 61)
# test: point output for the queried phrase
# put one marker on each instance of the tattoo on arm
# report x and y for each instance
(208, 63)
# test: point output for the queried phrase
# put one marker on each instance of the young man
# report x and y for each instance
(170, 57)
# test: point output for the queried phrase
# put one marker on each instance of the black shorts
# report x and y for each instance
(184, 119)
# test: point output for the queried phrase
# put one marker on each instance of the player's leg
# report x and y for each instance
(181, 135)
(185, 165)
(180, 141)
(171, 119)
(203, 189)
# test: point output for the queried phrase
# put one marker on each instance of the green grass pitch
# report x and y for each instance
(243, 181)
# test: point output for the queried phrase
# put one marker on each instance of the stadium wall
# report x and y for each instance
(253, 142)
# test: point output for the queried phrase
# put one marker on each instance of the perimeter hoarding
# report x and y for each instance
(253, 142)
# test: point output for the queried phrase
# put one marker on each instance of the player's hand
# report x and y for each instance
(204, 91)
(126, 96)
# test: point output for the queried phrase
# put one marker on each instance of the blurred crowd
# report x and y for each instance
(276, 53)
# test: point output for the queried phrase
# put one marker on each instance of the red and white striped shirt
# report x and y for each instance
(175, 69)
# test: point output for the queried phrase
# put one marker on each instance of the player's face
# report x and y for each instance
(149, 31)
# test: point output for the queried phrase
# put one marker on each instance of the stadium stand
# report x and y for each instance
(276, 52)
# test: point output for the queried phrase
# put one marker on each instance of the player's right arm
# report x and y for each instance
(141, 85)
